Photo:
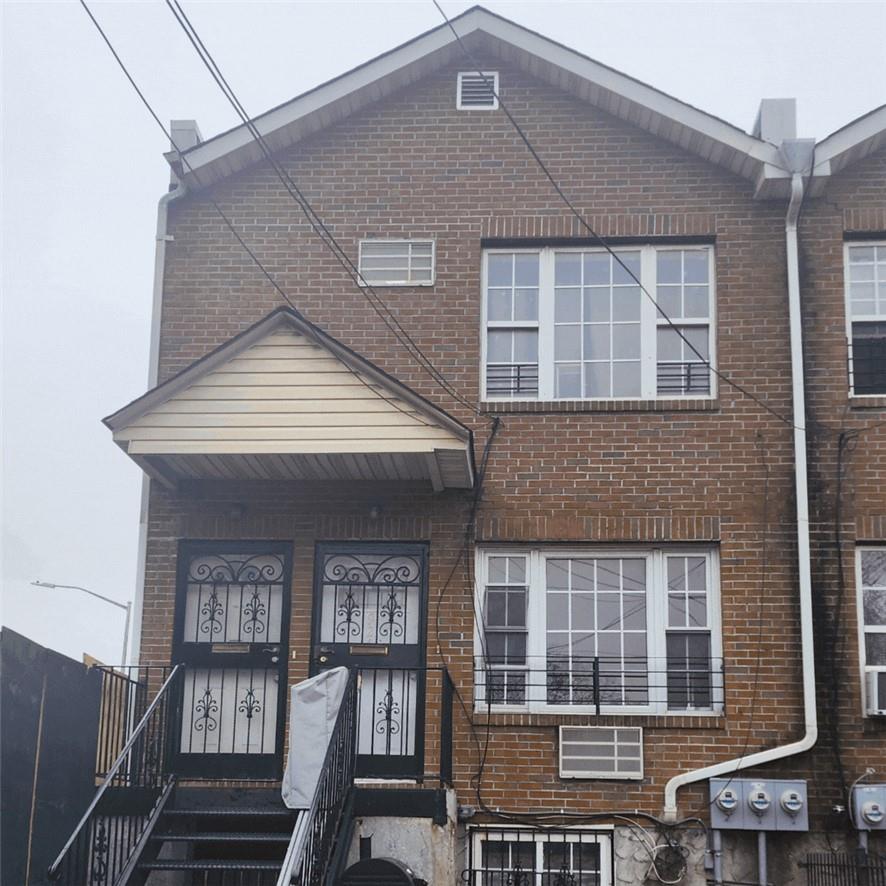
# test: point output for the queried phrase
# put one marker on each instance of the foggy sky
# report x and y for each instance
(82, 172)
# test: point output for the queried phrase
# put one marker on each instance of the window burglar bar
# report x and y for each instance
(680, 683)
(526, 857)
(845, 869)
(684, 378)
(513, 378)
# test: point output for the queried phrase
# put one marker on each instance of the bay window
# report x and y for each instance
(572, 324)
(866, 317)
(600, 628)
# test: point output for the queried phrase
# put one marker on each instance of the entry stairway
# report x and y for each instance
(221, 838)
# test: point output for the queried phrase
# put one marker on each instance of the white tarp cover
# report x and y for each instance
(313, 709)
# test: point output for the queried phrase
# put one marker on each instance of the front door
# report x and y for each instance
(232, 617)
(369, 614)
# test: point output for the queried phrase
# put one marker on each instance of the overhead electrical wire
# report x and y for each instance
(311, 215)
(227, 221)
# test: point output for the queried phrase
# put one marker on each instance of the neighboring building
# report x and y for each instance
(591, 523)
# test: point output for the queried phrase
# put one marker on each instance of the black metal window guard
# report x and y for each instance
(511, 379)
(529, 857)
(688, 377)
(867, 358)
(676, 684)
(857, 868)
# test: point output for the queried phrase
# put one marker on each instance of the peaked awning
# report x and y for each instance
(285, 401)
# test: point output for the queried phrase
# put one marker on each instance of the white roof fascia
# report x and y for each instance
(853, 142)
(690, 119)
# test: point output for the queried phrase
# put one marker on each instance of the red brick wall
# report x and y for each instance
(413, 166)
(855, 202)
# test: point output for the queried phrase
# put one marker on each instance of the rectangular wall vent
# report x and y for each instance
(601, 752)
(477, 91)
(397, 262)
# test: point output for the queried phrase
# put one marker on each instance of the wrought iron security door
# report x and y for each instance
(231, 633)
(369, 614)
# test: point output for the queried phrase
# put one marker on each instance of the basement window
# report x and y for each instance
(477, 91)
(523, 856)
(866, 317)
(397, 262)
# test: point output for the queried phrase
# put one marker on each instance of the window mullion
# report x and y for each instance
(536, 644)
(648, 324)
(546, 325)
(656, 630)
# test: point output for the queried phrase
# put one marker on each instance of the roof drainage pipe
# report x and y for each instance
(799, 156)
(185, 134)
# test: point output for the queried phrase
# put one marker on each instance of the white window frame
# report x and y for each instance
(408, 242)
(488, 75)
(603, 836)
(848, 245)
(863, 629)
(656, 625)
(650, 322)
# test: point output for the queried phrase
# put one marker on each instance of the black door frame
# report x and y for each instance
(420, 549)
(221, 765)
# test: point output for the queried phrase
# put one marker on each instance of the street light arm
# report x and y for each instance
(49, 584)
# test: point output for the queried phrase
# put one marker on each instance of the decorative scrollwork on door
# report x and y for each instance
(234, 598)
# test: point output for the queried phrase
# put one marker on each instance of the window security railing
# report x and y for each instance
(527, 857)
(601, 684)
(512, 378)
(858, 868)
(684, 378)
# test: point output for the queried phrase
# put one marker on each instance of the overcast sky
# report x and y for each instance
(82, 171)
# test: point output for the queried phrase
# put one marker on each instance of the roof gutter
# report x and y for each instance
(800, 156)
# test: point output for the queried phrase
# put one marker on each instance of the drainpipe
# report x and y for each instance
(185, 134)
(798, 156)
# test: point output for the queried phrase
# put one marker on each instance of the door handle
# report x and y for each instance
(270, 649)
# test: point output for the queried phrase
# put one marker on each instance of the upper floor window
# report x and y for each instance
(397, 262)
(567, 324)
(872, 585)
(633, 630)
(866, 316)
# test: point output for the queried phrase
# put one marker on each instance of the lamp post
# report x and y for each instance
(127, 606)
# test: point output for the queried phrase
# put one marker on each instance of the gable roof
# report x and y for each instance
(851, 143)
(285, 400)
(642, 105)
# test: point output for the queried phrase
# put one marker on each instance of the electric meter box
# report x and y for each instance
(869, 807)
(759, 805)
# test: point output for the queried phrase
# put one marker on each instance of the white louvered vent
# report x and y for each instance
(601, 752)
(477, 91)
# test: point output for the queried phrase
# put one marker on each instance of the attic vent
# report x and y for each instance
(477, 91)
(601, 752)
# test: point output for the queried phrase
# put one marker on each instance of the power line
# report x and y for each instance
(313, 218)
(587, 226)
(228, 223)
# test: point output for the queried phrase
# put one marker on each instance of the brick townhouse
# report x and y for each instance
(560, 535)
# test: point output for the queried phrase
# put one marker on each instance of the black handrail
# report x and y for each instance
(113, 829)
(313, 839)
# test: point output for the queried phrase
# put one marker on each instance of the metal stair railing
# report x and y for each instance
(105, 846)
(316, 832)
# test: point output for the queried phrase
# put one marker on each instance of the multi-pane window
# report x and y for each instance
(567, 324)
(866, 316)
(549, 857)
(872, 582)
(505, 629)
(602, 629)
(512, 292)
(397, 262)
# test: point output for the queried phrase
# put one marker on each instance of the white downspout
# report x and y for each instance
(803, 559)
(153, 376)
(185, 134)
